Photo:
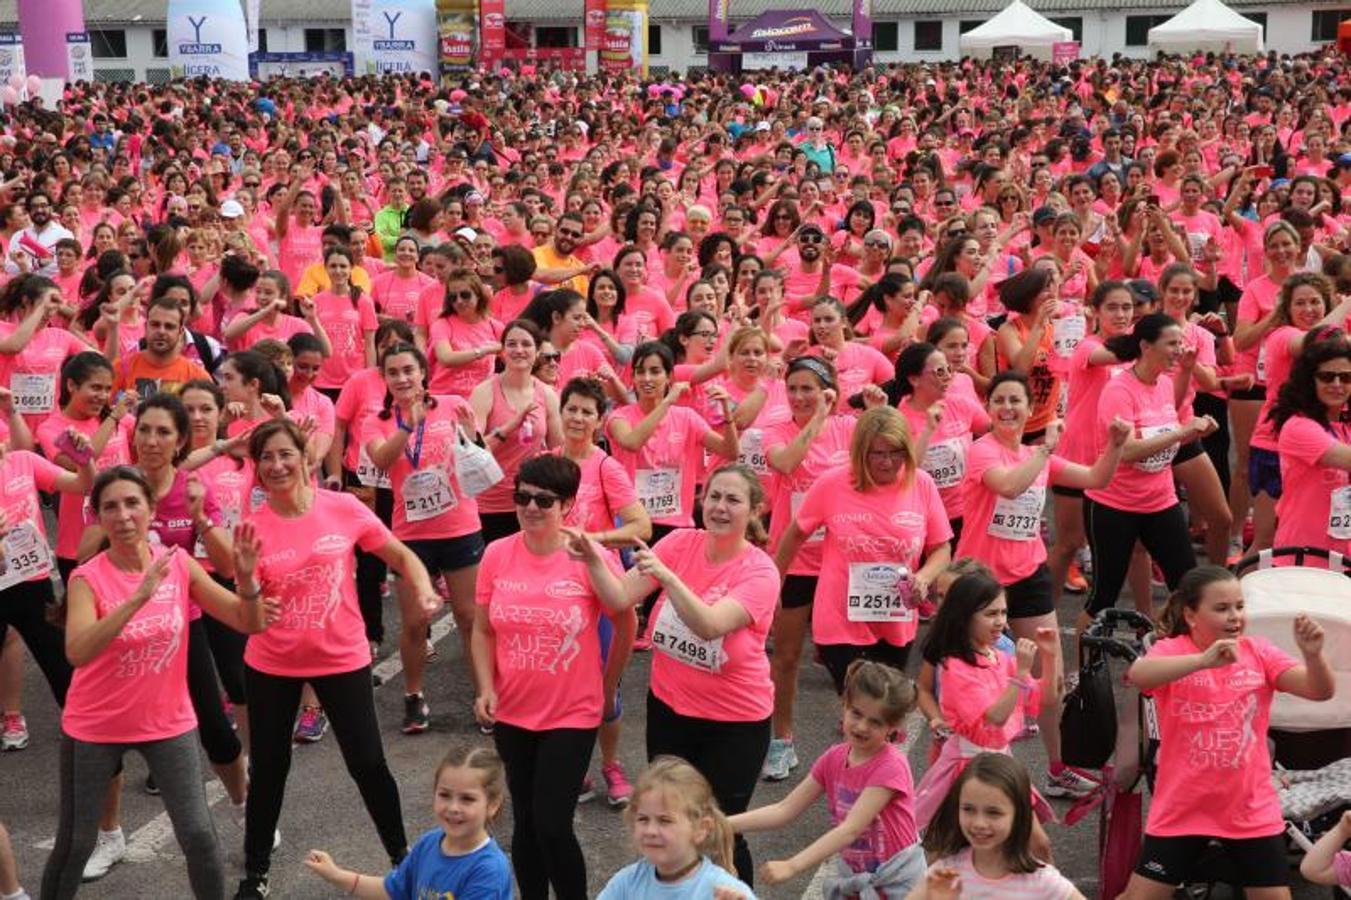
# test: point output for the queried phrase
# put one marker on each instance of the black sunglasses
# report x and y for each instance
(547, 359)
(542, 501)
(1329, 377)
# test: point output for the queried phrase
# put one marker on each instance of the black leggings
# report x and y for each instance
(371, 570)
(1112, 534)
(227, 650)
(1216, 444)
(218, 736)
(544, 773)
(838, 657)
(24, 607)
(728, 754)
(349, 702)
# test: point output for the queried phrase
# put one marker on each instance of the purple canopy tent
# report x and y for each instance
(790, 31)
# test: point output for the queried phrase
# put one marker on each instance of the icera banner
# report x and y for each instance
(208, 37)
(625, 43)
(457, 27)
(11, 59)
(79, 57)
(403, 36)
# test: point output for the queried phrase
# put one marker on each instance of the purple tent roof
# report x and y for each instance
(789, 26)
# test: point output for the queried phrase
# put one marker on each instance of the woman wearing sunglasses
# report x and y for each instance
(1315, 448)
(464, 340)
(537, 655)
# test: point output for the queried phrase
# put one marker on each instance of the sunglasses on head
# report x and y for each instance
(542, 501)
(1330, 377)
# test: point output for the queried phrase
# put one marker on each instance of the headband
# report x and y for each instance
(816, 367)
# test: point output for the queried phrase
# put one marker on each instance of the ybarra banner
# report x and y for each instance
(403, 36)
(208, 37)
(594, 35)
(492, 17)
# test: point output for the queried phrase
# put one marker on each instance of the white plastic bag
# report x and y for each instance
(475, 466)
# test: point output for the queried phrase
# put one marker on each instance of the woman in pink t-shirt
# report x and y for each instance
(608, 325)
(348, 319)
(318, 637)
(711, 696)
(886, 538)
(299, 239)
(1304, 313)
(126, 636)
(276, 316)
(1140, 502)
(856, 365)
(464, 340)
(1314, 445)
(397, 289)
(413, 438)
(561, 315)
(31, 350)
(758, 400)
(513, 267)
(542, 689)
(1212, 688)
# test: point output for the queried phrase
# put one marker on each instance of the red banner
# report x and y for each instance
(595, 24)
(565, 57)
(492, 16)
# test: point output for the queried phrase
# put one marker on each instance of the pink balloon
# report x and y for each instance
(748, 91)
(34, 84)
(8, 95)
(457, 95)
(16, 81)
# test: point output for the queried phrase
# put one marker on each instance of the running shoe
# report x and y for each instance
(1069, 782)
(617, 787)
(14, 734)
(1075, 582)
(108, 852)
(588, 792)
(253, 887)
(311, 726)
(781, 759)
(417, 716)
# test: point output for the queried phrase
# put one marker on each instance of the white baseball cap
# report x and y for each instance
(231, 209)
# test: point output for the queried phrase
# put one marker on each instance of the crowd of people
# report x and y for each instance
(694, 369)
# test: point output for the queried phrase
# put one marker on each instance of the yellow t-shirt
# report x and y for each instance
(546, 257)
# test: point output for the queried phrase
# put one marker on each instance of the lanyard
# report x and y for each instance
(416, 455)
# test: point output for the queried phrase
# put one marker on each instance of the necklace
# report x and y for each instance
(681, 873)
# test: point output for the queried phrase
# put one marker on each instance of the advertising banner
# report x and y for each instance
(492, 16)
(1064, 51)
(403, 36)
(79, 57)
(208, 37)
(361, 36)
(457, 33)
(863, 25)
(720, 19)
(252, 10)
(625, 43)
(594, 35)
(11, 57)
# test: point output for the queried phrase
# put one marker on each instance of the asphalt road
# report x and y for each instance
(323, 809)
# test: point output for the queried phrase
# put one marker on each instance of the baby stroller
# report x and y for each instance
(1311, 741)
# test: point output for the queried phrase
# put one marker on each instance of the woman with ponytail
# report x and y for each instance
(349, 321)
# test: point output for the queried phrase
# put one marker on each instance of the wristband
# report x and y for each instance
(356, 882)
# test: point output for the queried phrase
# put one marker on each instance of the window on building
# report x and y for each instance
(1259, 17)
(1325, 22)
(700, 38)
(262, 40)
(159, 38)
(108, 43)
(1137, 28)
(555, 36)
(929, 34)
(966, 25)
(325, 40)
(886, 37)
(654, 40)
(1074, 23)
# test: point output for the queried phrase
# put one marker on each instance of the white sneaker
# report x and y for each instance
(108, 852)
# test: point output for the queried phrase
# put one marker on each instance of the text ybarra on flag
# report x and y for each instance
(208, 37)
(403, 36)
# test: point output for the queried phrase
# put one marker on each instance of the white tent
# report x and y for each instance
(1207, 25)
(1018, 25)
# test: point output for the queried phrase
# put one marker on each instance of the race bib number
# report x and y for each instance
(659, 492)
(753, 451)
(25, 556)
(1157, 462)
(671, 636)
(946, 462)
(1339, 514)
(427, 494)
(1069, 331)
(795, 503)
(1018, 518)
(33, 392)
(879, 592)
(368, 474)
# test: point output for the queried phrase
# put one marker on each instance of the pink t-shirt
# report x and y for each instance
(507, 305)
(396, 297)
(1194, 337)
(828, 450)
(346, 325)
(1341, 867)
(528, 441)
(605, 489)
(34, 373)
(751, 440)
(1145, 485)
(1044, 884)
(307, 565)
(461, 335)
(582, 360)
(282, 330)
(428, 500)
(665, 468)
(1086, 382)
(309, 403)
(1279, 361)
(1258, 300)
(652, 316)
(945, 459)
(725, 679)
(137, 688)
(1305, 513)
(361, 396)
(1002, 532)
(546, 647)
(870, 538)
(22, 475)
(231, 485)
(857, 366)
(893, 829)
(1214, 771)
(70, 517)
(970, 690)
(302, 246)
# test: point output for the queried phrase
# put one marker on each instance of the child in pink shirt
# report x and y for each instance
(1212, 688)
(869, 789)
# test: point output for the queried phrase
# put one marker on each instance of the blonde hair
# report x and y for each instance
(689, 793)
(886, 423)
(487, 763)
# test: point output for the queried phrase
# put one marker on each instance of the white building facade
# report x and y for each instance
(129, 35)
